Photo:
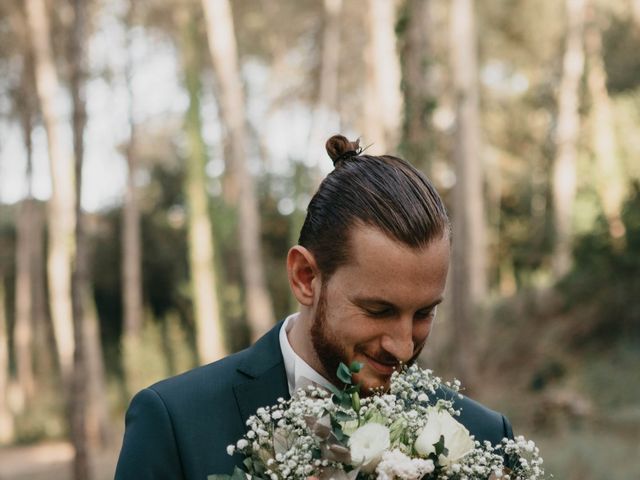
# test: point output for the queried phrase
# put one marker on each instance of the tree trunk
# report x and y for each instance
(609, 178)
(222, 45)
(324, 122)
(566, 137)
(469, 283)
(23, 327)
(131, 252)
(209, 327)
(635, 11)
(383, 99)
(23, 332)
(61, 206)
(6, 418)
(24, 319)
(80, 277)
(44, 344)
(99, 431)
(418, 90)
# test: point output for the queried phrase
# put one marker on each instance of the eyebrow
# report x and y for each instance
(364, 301)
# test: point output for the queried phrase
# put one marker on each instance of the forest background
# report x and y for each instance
(193, 134)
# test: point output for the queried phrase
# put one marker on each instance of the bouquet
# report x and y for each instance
(336, 434)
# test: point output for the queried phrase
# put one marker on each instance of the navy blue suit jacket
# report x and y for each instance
(179, 428)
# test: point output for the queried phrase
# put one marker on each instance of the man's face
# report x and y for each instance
(378, 308)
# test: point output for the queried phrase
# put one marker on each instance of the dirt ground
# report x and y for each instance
(51, 461)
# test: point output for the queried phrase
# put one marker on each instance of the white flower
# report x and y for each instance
(457, 439)
(242, 444)
(396, 464)
(367, 444)
(231, 449)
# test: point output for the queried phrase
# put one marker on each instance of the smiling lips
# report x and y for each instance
(382, 367)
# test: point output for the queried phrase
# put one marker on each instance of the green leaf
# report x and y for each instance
(238, 474)
(334, 390)
(344, 374)
(344, 417)
(440, 448)
(353, 389)
(340, 435)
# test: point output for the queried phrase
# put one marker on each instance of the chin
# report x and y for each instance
(371, 384)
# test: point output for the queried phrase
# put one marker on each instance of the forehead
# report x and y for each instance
(366, 243)
(378, 264)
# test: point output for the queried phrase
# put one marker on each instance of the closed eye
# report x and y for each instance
(426, 313)
(378, 313)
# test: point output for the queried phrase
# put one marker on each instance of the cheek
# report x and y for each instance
(355, 332)
(421, 331)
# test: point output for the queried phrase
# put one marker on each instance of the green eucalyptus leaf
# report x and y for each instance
(344, 374)
(440, 448)
(334, 390)
(344, 417)
(238, 474)
(345, 402)
(353, 389)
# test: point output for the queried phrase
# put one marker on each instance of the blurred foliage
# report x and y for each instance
(557, 356)
(606, 276)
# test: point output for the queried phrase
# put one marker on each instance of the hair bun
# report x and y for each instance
(340, 148)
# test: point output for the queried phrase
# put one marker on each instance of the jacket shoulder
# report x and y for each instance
(203, 381)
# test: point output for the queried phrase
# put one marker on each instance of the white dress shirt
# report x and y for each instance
(299, 372)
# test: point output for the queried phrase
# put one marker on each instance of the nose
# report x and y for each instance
(398, 341)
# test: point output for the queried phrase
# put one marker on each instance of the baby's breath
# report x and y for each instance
(309, 434)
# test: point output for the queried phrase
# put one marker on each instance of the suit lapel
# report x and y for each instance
(266, 379)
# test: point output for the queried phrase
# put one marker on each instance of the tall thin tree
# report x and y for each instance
(323, 122)
(131, 262)
(418, 89)
(609, 179)
(6, 418)
(382, 119)
(223, 49)
(209, 325)
(469, 283)
(24, 319)
(564, 179)
(80, 277)
(61, 205)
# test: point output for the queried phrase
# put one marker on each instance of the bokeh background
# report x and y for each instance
(157, 158)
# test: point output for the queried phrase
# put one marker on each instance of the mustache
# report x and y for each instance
(386, 358)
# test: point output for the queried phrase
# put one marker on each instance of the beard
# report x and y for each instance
(328, 349)
(331, 352)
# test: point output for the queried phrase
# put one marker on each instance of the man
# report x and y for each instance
(369, 272)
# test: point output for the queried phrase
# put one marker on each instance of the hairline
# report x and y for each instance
(438, 234)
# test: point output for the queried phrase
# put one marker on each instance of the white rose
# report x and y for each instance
(367, 444)
(457, 439)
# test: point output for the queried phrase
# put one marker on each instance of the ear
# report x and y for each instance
(302, 271)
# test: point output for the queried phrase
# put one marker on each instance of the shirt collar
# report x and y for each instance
(297, 369)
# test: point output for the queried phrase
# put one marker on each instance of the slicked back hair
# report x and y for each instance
(383, 192)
